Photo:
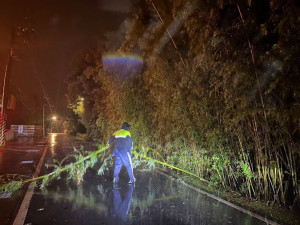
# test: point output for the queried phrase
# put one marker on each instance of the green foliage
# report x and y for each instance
(107, 162)
(246, 170)
(140, 152)
(11, 182)
(11, 186)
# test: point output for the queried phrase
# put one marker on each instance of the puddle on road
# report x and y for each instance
(154, 199)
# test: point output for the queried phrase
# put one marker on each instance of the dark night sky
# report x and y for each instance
(63, 29)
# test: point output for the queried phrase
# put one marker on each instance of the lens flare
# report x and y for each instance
(122, 65)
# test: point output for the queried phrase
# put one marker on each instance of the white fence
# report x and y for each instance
(27, 130)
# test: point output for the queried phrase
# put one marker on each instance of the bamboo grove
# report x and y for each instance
(229, 114)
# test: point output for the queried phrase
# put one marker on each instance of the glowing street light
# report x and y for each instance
(54, 118)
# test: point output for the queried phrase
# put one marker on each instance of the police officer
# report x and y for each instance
(121, 143)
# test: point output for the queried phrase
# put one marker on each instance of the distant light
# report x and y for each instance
(54, 118)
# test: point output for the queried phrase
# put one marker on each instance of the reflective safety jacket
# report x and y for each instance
(121, 142)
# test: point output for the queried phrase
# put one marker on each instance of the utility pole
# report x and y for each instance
(22, 32)
(5, 89)
(43, 120)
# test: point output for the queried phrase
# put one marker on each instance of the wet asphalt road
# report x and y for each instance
(18, 157)
(154, 199)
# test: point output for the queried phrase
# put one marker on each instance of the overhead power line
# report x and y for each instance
(161, 19)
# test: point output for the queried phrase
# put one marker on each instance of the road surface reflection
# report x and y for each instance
(154, 199)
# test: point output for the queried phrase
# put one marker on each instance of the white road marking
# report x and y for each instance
(32, 150)
(20, 218)
(27, 162)
(5, 195)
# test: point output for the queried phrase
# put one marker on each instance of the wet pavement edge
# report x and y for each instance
(246, 211)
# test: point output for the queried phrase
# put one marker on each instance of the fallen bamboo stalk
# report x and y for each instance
(68, 166)
(168, 165)
(16, 185)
